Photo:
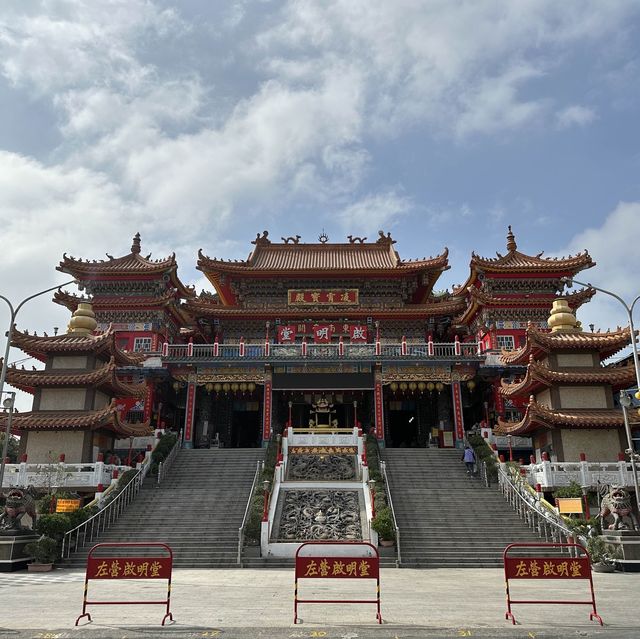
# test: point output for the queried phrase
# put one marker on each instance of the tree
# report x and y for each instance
(12, 449)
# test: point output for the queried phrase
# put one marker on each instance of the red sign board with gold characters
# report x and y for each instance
(337, 560)
(533, 565)
(323, 297)
(119, 561)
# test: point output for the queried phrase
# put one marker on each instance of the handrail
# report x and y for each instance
(259, 467)
(106, 516)
(164, 467)
(110, 513)
(383, 468)
(532, 511)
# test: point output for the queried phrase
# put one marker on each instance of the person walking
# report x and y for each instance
(469, 458)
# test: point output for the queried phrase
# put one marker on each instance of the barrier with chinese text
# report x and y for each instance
(156, 562)
(541, 567)
(337, 560)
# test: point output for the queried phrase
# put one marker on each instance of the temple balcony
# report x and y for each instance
(302, 352)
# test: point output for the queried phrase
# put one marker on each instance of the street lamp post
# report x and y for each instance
(8, 405)
(12, 319)
(510, 448)
(629, 310)
(625, 401)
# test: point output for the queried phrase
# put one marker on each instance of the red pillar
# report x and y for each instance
(189, 415)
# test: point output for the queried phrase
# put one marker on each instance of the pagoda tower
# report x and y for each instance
(139, 297)
(74, 409)
(509, 293)
(570, 408)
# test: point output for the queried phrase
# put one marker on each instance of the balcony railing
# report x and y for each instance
(455, 351)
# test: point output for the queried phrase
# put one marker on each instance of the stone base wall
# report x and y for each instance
(44, 447)
(598, 445)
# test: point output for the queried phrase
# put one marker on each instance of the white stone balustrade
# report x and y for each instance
(585, 473)
(60, 475)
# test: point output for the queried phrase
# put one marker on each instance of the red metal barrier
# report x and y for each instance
(123, 567)
(540, 567)
(337, 559)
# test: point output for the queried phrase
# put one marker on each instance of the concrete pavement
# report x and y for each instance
(259, 603)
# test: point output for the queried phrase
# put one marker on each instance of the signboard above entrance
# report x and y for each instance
(323, 297)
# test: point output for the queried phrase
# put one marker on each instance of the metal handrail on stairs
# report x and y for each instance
(165, 466)
(531, 509)
(383, 468)
(259, 468)
(110, 513)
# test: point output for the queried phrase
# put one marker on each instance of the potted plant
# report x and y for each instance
(44, 553)
(383, 524)
(603, 556)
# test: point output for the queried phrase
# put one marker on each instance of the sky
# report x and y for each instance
(203, 122)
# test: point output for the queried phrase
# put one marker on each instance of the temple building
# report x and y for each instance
(570, 409)
(74, 407)
(348, 326)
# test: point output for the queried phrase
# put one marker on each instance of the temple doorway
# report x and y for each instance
(245, 425)
(403, 425)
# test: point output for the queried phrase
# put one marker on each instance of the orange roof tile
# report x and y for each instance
(131, 264)
(539, 342)
(539, 375)
(101, 344)
(102, 377)
(76, 420)
(539, 417)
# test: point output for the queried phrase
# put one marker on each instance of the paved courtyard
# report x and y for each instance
(259, 603)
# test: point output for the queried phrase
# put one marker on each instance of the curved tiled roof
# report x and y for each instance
(515, 262)
(311, 258)
(539, 342)
(538, 375)
(133, 302)
(102, 377)
(101, 344)
(54, 420)
(479, 298)
(538, 417)
(132, 264)
(203, 308)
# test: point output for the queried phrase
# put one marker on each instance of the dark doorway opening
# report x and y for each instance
(245, 429)
(403, 427)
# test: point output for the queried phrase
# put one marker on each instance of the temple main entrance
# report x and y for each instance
(246, 427)
(403, 424)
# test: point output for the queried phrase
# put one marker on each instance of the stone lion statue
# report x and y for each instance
(18, 504)
(616, 502)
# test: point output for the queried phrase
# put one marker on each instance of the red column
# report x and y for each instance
(266, 413)
(457, 410)
(379, 409)
(189, 415)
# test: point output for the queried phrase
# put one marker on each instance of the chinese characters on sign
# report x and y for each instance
(337, 567)
(547, 568)
(457, 410)
(322, 333)
(323, 297)
(129, 568)
(189, 413)
(266, 426)
(286, 334)
(323, 450)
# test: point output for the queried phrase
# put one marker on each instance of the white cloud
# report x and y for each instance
(374, 212)
(575, 115)
(613, 246)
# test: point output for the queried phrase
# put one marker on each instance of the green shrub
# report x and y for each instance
(43, 551)
(572, 490)
(382, 523)
(484, 453)
(163, 447)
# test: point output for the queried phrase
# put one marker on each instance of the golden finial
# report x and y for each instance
(83, 320)
(511, 240)
(562, 318)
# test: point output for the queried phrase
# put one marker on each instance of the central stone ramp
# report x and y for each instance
(446, 519)
(197, 510)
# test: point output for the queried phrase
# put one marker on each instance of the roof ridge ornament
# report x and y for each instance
(323, 238)
(385, 239)
(135, 247)
(260, 240)
(511, 241)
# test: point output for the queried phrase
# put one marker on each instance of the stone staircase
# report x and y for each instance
(446, 519)
(196, 511)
